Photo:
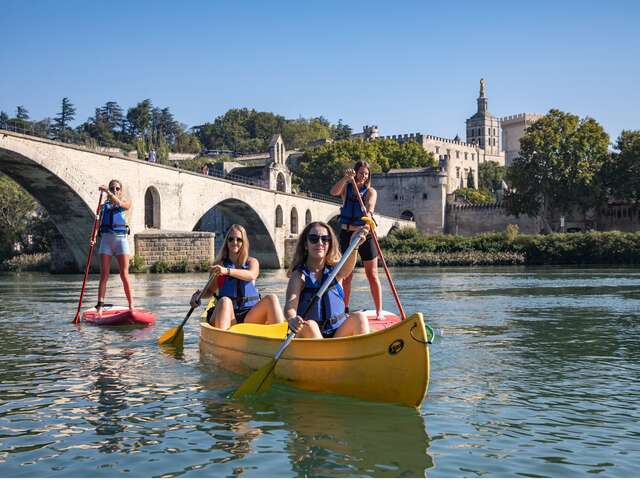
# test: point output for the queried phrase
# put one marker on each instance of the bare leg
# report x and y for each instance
(356, 324)
(105, 265)
(371, 270)
(123, 265)
(267, 311)
(223, 316)
(310, 330)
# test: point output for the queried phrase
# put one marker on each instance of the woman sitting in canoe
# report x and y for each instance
(238, 300)
(315, 255)
(351, 214)
(113, 240)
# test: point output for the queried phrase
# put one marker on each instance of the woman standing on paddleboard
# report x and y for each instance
(351, 220)
(113, 241)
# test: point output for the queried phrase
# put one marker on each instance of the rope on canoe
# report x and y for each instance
(430, 334)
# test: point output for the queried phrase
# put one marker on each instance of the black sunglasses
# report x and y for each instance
(234, 239)
(314, 238)
(114, 189)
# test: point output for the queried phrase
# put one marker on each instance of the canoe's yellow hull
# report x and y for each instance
(390, 365)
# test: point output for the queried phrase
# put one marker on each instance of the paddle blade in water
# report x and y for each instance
(174, 336)
(258, 382)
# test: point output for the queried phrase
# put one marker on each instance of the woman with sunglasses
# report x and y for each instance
(113, 240)
(351, 214)
(238, 300)
(314, 259)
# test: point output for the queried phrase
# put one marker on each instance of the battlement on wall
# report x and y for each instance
(519, 116)
(472, 207)
(418, 137)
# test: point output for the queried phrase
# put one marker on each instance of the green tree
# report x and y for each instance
(61, 129)
(489, 175)
(139, 119)
(341, 131)
(4, 119)
(320, 167)
(112, 114)
(557, 170)
(187, 143)
(622, 168)
(16, 210)
(473, 196)
(22, 113)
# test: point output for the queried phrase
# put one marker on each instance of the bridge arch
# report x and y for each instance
(233, 210)
(279, 217)
(68, 211)
(152, 208)
(294, 221)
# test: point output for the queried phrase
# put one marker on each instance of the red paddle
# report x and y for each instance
(92, 244)
(384, 263)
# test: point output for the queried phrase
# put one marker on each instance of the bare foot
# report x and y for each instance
(379, 316)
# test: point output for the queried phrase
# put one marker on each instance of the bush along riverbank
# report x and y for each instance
(409, 247)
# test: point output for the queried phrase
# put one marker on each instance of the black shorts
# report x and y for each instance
(367, 250)
(239, 314)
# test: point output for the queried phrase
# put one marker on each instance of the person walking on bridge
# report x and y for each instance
(351, 220)
(113, 242)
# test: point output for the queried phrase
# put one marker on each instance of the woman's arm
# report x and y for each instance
(338, 189)
(248, 275)
(115, 200)
(349, 265)
(370, 201)
(294, 288)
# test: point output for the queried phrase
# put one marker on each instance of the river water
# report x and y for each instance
(536, 372)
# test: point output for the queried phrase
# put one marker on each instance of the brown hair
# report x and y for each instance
(360, 164)
(243, 255)
(300, 254)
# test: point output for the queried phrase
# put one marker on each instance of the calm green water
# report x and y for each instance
(537, 373)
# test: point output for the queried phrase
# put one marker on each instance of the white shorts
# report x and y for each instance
(114, 244)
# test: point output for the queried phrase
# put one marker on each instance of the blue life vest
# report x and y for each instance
(243, 294)
(113, 219)
(351, 212)
(329, 311)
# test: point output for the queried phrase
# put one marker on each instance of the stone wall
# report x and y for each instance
(474, 219)
(625, 218)
(174, 247)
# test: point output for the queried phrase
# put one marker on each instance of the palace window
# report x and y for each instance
(457, 154)
(466, 155)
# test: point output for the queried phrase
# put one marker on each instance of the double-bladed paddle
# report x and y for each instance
(260, 380)
(175, 335)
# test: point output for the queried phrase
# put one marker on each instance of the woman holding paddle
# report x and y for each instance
(351, 214)
(114, 242)
(238, 297)
(314, 259)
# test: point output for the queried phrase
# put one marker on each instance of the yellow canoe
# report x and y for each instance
(390, 365)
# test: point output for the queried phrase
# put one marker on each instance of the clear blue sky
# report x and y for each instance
(405, 66)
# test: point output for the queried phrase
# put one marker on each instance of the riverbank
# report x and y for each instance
(408, 247)
(28, 262)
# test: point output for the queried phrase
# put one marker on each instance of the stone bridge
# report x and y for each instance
(65, 178)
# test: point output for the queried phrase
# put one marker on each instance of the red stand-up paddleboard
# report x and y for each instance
(114, 315)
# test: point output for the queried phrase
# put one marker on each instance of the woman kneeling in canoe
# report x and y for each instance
(314, 259)
(238, 297)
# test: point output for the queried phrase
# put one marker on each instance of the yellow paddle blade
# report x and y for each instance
(369, 221)
(174, 335)
(275, 330)
(258, 382)
(210, 305)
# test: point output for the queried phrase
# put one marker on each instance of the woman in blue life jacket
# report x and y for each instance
(350, 220)
(113, 240)
(314, 258)
(238, 300)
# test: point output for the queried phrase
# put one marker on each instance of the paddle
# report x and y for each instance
(175, 335)
(92, 244)
(384, 263)
(260, 380)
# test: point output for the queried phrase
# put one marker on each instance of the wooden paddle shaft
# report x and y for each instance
(92, 244)
(384, 263)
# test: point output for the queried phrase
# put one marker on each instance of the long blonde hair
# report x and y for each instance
(243, 255)
(300, 254)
